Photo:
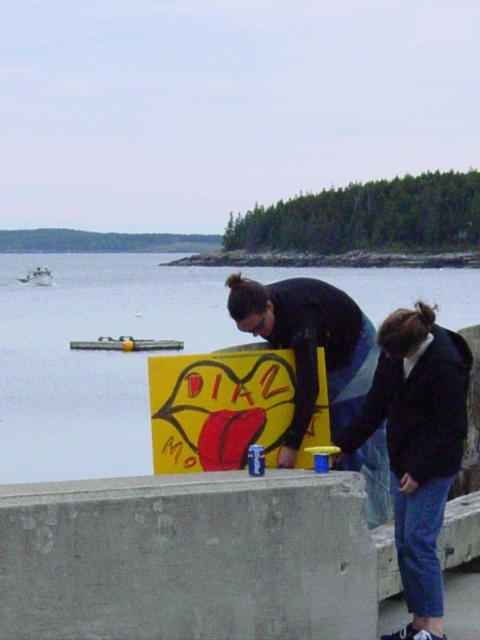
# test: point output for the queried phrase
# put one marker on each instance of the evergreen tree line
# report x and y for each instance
(72, 241)
(434, 211)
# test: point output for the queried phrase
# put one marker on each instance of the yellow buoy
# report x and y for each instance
(327, 450)
(128, 345)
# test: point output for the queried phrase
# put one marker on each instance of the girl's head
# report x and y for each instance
(404, 330)
(249, 306)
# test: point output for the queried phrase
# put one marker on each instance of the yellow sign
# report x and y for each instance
(208, 409)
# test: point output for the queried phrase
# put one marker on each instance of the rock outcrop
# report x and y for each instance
(242, 258)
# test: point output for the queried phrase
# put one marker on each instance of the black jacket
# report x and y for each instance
(426, 413)
(332, 319)
(310, 313)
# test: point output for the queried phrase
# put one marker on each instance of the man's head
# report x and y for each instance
(249, 306)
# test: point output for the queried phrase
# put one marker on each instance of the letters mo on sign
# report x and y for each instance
(206, 410)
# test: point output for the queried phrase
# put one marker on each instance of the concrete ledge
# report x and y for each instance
(198, 556)
(459, 542)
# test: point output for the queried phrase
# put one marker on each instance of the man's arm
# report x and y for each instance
(373, 411)
(306, 365)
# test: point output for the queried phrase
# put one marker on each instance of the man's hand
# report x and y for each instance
(286, 458)
(408, 485)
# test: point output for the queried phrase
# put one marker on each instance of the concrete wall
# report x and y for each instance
(190, 557)
(468, 480)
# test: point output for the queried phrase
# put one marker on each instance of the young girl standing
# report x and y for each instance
(420, 386)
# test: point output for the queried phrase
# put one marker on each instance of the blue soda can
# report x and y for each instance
(321, 463)
(256, 460)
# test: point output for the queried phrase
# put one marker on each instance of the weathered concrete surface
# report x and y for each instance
(188, 557)
(458, 543)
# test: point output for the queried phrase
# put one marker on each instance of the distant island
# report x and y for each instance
(359, 259)
(380, 221)
(71, 241)
(431, 220)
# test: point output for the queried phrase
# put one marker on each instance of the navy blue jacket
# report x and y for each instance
(426, 413)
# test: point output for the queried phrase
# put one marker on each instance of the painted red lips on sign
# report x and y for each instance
(226, 436)
(219, 414)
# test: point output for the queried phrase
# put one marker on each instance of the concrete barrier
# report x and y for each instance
(189, 557)
(468, 479)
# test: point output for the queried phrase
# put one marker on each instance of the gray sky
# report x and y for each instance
(166, 115)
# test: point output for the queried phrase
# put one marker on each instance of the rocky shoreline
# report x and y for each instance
(242, 258)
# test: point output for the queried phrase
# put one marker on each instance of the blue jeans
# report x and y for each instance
(418, 522)
(347, 388)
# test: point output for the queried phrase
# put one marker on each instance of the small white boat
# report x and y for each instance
(41, 276)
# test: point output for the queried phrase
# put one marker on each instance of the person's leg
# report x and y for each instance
(418, 521)
(400, 504)
(408, 630)
(347, 388)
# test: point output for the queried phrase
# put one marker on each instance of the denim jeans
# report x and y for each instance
(418, 521)
(347, 388)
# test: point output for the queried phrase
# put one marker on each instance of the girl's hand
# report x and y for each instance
(408, 485)
(336, 459)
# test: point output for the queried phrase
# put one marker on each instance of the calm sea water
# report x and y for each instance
(68, 415)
